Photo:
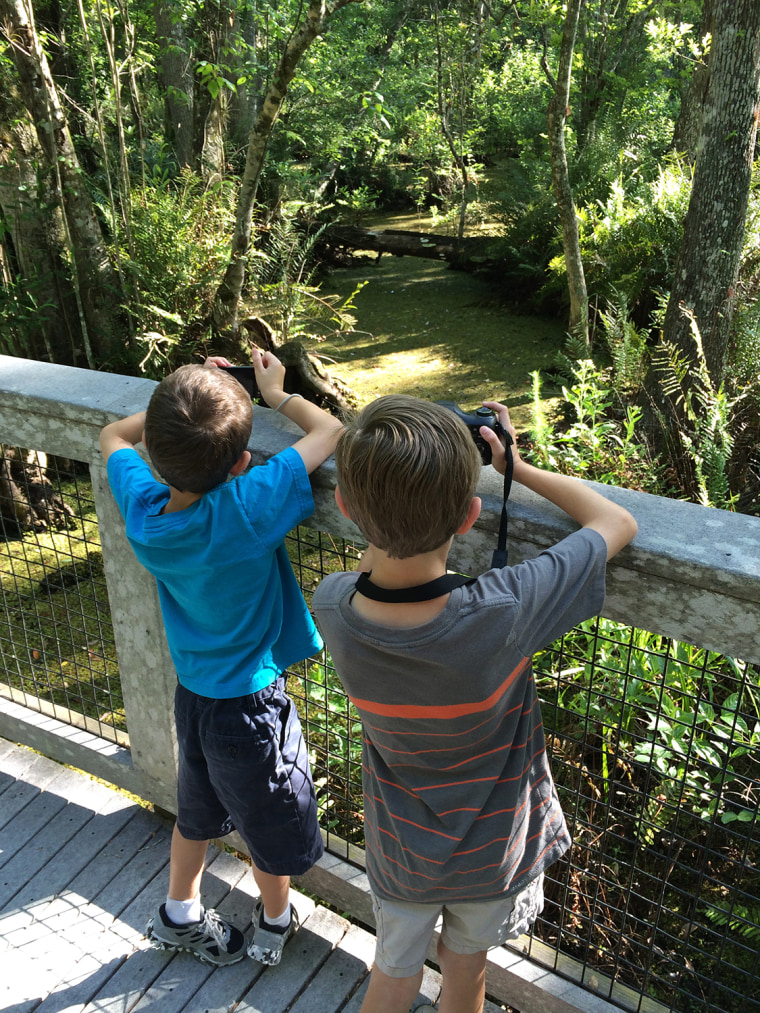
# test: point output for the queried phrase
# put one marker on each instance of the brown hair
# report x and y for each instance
(197, 425)
(407, 471)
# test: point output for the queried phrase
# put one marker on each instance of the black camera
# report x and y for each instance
(474, 420)
(245, 375)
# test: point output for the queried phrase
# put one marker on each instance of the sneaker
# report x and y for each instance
(267, 942)
(211, 939)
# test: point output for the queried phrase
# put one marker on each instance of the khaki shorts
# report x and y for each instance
(404, 930)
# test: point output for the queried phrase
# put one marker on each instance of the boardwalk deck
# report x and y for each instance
(82, 866)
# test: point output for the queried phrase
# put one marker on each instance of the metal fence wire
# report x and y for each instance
(654, 747)
(57, 652)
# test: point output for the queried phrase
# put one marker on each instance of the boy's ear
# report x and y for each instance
(341, 503)
(472, 515)
(241, 464)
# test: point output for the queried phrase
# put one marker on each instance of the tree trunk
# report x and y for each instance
(35, 231)
(467, 254)
(219, 29)
(556, 118)
(177, 67)
(319, 12)
(689, 123)
(96, 284)
(706, 272)
(245, 104)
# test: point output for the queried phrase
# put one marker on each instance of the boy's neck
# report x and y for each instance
(179, 500)
(409, 572)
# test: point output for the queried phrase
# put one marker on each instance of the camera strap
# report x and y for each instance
(403, 595)
(499, 558)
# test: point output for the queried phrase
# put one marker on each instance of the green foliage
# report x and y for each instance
(627, 346)
(599, 444)
(649, 702)
(281, 289)
(631, 238)
(175, 258)
(509, 105)
(700, 420)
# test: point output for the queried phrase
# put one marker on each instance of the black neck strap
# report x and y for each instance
(499, 558)
(403, 595)
(449, 581)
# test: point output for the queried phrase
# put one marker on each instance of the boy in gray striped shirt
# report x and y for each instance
(461, 814)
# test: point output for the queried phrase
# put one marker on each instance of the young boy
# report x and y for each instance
(461, 814)
(235, 619)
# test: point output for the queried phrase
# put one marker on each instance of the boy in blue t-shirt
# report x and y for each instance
(235, 620)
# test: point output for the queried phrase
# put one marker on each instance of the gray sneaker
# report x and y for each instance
(267, 943)
(211, 939)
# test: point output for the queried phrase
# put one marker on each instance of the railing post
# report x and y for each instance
(145, 665)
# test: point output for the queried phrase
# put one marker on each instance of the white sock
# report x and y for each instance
(182, 912)
(281, 922)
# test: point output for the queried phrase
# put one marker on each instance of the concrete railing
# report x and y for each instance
(692, 573)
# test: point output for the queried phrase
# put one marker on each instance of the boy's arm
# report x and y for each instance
(614, 523)
(322, 429)
(122, 434)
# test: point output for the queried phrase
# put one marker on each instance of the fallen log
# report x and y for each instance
(467, 254)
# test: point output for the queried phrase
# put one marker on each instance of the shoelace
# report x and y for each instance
(214, 925)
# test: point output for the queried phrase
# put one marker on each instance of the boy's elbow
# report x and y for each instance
(630, 527)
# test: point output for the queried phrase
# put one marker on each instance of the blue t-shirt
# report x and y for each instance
(234, 615)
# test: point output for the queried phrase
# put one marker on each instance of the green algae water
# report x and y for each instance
(436, 333)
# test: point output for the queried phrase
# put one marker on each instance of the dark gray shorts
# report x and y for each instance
(243, 766)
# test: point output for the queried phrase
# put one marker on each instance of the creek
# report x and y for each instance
(440, 334)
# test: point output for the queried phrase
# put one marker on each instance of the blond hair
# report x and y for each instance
(407, 472)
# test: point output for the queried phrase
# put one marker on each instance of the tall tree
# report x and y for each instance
(705, 276)
(96, 284)
(178, 76)
(34, 243)
(689, 122)
(556, 118)
(312, 25)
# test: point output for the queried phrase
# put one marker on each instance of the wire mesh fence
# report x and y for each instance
(654, 744)
(57, 652)
(655, 747)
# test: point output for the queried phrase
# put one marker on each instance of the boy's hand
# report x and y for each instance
(216, 360)
(270, 376)
(498, 450)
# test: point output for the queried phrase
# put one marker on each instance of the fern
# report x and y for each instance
(703, 415)
(626, 344)
(740, 918)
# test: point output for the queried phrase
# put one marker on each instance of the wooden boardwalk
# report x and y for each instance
(81, 868)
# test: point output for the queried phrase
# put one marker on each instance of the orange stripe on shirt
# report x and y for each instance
(443, 712)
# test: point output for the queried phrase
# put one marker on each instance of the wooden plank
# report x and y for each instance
(347, 965)
(26, 765)
(143, 968)
(47, 895)
(75, 912)
(35, 815)
(279, 986)
(68, 859)
(31, 773)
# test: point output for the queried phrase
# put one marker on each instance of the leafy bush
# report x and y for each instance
(600, 444)
(174, 258)
(630, 240)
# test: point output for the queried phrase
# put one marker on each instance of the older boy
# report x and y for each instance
(235, 620)
(461, 813)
